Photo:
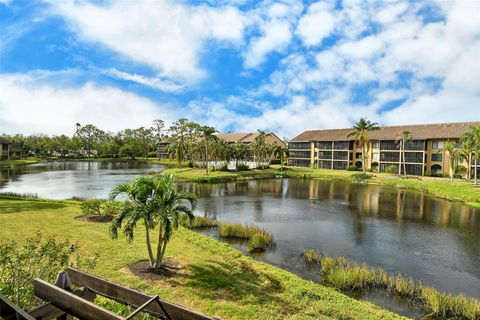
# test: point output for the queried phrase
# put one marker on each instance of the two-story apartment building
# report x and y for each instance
(425, 153)
(8, 150)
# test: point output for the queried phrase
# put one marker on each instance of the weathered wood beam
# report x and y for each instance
(130, 297)
(70, 303)
(9, 310)
(49, 311)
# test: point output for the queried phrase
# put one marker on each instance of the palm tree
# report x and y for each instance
(455, 156)
(207, 133)
(280, 151)
(402, 139)
(360, 133)
(156, 202)
(239, 152)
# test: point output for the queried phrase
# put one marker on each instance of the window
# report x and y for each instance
(341, 145)
(299, 154)
(437, 157)
(416, 157)
(389, 145)
(376, 144)
(437, 144)
(390, 156)
(299, 145)
(323, 145)
(415, 145)
(325, 164)
(340, 165)
(340, 155)
(324, 154)
(298, 163)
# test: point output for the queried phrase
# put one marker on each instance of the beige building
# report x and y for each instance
(8, 150)
(424, 154)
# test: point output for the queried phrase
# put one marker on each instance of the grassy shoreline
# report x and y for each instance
(19, 162)
(459, 190)
(215, 278)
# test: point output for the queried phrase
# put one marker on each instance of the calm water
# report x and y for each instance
(65, 179)
(432, 240)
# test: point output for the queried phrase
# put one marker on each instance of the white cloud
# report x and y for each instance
(157, 83)
(27, 106)
(165, 35)
(317, 24)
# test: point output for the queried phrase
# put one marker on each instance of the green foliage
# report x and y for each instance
(360, 177)
(243, 167)
(92, 207)
(155, 202)
(346, 275)
(353, 167)
(36, 258)
(392, 169)
(198, 222)
(258, 239)
(111, 208)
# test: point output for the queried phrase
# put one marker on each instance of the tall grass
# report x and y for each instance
(346, 275)
(258, 239)
(198, 222)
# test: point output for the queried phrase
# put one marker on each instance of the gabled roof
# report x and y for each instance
(249, 137)
(233, 137)
(419, 131)
(4, 141)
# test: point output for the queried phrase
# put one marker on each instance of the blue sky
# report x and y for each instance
(285, 66)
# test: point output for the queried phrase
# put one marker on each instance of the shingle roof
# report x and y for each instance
(419, 131)
(233, 137)
(4, 141)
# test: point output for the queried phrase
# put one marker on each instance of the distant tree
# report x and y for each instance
(156, 202)
(402, 140)
(455, 155)
(280, 151)
(89, 136)
(179, 134)
(361, 133)
(158, 132)
(239, 152)
(259, 147)
(207, 134)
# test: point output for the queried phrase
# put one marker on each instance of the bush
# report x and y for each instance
(112, 208)
(353, 167)
(243, 167)
(152, 154)
(360, 177)
(36, 258)
(223, 168)
(391, 169)
(91, 207)
(190, 164)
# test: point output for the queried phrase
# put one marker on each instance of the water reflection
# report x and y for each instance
(65, 179)
(433, 240)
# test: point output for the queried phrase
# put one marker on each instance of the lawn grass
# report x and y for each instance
(18, 162)
(459, 190)
(216, 279)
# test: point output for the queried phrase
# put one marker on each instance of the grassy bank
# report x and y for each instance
(18, 162)
(215, 278)
(459, 190)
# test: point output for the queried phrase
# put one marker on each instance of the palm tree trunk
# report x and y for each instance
(475, 173)
(364, 169)
(149, 245)
(206, 155)
(159, 247)
(162, 253)
(281, 161)
(404, 160)
(469, 165)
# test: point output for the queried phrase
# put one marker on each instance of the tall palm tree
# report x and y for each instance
(361, 133)
(239, 151)
(455, 156)
(280, 151)
(207, 133)
(402, 139)
(156, 202)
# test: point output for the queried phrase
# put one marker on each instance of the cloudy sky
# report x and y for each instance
(237, 65)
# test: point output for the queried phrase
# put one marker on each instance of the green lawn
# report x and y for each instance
(6, 163)
(216, 279)
(459, 190)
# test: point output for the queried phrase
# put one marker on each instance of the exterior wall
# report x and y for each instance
(421, 155)
(4, 151)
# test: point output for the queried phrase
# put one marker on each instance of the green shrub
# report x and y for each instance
(360, 177)
(112, 208)
(190, 164)
(223, 168)
(391, 169)
(92, 207)
(36, 258)
(243, 167)
(353, 167)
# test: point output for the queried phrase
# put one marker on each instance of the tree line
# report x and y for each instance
(183, 140)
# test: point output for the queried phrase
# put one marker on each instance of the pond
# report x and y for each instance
(66, 179)
(432, 240)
